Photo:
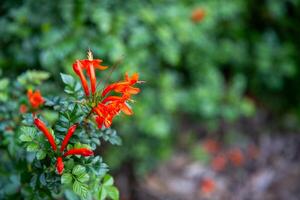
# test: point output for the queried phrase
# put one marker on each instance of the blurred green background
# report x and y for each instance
(241, 56)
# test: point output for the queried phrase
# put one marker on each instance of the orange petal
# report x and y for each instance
(126, 110)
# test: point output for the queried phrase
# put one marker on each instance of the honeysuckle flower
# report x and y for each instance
(124, 86)
(59, 165)
(198, 15)
(108, 106)
(42, 127)
(77, 67)
(79, 151)
(75, 151)
(67, 137)
(35, 98)
(89, 65)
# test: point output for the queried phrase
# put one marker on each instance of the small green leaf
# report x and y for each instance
(83, 177)
(25, 138)
(40, 155)
(29, 131)
(113, 192)
(102, 193)
(43, 179)
(78, 170)
(66, 178)
(108, 180)
(32, 147)
(67, 79)
(81, 189)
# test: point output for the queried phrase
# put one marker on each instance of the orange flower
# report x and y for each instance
(124, 87)
(35, 98)
(23, 108)
(111, 106)
(77, 67)
(198, 15)
(89, 65)
(236, 157)
(219, 162)
(211, 146)
(207, 185)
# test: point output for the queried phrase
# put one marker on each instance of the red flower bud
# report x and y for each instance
(42, 127)
(59, 165)
(68, 136)
(79, 151)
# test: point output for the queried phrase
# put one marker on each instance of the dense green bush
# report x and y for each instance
(240, 54)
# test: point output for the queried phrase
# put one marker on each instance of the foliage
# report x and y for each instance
(30, 159)
(238, 56)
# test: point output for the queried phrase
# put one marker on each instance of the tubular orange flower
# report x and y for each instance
(198, 15)
(35, 98)
(77, 67)
(23, 108)
(89, 65)
(79, 151)
(219, 163)
(207, 185)
(42, 127)
(59, 165)
(123, 86)
(236, 157)
(68, 136)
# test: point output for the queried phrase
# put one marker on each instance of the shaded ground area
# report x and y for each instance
(265, 169)
(274, 174)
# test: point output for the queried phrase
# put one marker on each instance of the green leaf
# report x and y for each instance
(81, 189)
(66, 178)
(25, 138)
(108, 180)
(78, 170)
(28, 132)
(83, 177)
(67, 79)
(40, 155)
(32, 147)
(113, 192)
(32, 78)
(102, 193)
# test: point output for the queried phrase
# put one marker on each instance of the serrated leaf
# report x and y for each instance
(81, 189)
(40, 155)
(83, 177)
(66, 178)
(78, 170)
(29, 131)
(25, 138)
(32, 147)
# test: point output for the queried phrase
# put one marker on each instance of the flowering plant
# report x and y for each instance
(62, 158)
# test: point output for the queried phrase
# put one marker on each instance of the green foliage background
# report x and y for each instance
(244, 53)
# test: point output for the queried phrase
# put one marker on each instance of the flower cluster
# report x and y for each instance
(105, 107)
(109, 106)
(75, 151)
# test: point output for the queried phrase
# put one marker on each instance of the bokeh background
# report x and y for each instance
(218, 117)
